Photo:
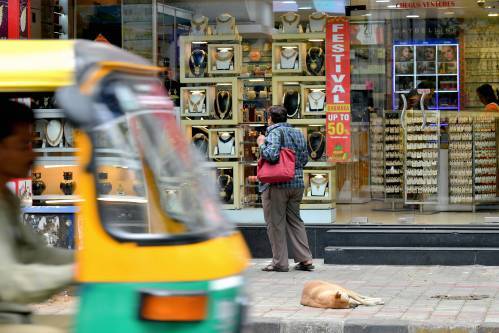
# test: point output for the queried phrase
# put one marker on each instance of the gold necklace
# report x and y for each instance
(313, 152)
(314, 17)
(199, 24)
(222, 94)
(196, 106)
(54, 142)
(313, 64)
(197, 68)
(318, 182)
(220, 18)
(294, 20)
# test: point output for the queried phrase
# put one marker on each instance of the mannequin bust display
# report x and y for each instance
(315, 60)
(223, 104)
(226, 24)
(224, 59)
(291, 102)
(318, 186)
(291, 23)
(197, 101)
(199, 26)
(197, 62)
(317, 22)
(225, 144)
(316, 145)
(315, 100)
(289, 58)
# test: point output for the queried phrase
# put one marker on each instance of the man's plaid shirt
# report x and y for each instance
(293, 139)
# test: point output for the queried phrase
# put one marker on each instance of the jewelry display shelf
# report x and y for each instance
(297, 54)
(461, 160)
(377, 175)
(393, 157)
(485, 159)
(422, 146)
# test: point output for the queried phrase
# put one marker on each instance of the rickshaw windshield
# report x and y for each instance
(150, 182)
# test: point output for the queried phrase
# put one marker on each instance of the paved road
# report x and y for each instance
(408, 293)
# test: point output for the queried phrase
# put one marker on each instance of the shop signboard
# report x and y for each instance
(338, 115)
(4, 19)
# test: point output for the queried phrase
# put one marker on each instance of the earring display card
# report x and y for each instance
(224, 143)
(460, 160)
(485, 159)
(196, 101)
(394, 156)
(314, 100)
(288, 57)
(224, 59)
(422, 145)
(376, 143)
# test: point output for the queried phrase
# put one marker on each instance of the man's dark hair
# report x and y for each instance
(278, 114)
(13, 114)
(487, 92)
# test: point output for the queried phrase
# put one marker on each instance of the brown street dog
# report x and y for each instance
(321, 294)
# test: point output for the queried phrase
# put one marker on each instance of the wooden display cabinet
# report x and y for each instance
(224, 59)
(220, 149)
(316, 102)
(288, 58)
(193, 106)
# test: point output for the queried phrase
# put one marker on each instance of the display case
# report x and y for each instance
(197, 101)
(314, 100)
(224, 143)
(288, 58)
(377, 175)
(318, 185)
(461, 159)
(485, 159)
(228, 183)
(422, 146)
(224, 59)
(394, 157)
(432, 66)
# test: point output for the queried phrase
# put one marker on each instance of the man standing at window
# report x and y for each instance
(281, 201)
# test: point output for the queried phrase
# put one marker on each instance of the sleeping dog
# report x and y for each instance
(320, 294)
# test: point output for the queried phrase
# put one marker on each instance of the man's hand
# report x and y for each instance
(260, 140)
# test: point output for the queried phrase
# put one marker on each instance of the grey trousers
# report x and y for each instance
(281, 209)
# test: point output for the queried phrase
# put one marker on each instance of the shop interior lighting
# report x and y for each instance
(290, 47)
(197, 92)
(224, 49)
(382, 0)
(205, 127)
(305, 8)
(316, 40)
(449, 13)
(256, 80)
(63, 201)
(412, 16)
(199, 42)
(58, 166)
(493, 14)
(368, 14)
(122, 199)
(291, 83)
(315, 125)
(391, 6)
(224, 84)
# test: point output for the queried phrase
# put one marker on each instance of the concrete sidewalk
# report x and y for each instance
(408, 292)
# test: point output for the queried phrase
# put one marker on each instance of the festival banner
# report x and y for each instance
(338, 115)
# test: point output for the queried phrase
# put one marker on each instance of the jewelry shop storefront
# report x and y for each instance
(423, 140)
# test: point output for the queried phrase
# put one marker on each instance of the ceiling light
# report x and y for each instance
(305, 8)
(291, 83)
(391, 6)
(288, 2)
(449, 13)
(368, 14)
(199, 42)
(316, 40)
(493, 14)
(412, 16)
(256, 80)
(382, 0)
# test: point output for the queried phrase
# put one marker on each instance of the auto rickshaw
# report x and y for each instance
(161, 259)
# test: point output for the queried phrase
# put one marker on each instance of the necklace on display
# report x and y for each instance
(289, 53)
(197, 62)
(225, 137)
(200, 22)
(314, 152)
(316, 100)
(317, 21)
(223, 94)
(288, 58)
(224, 18)
(54, 132)
(196, 102)
(319, 184)
(289, 94)
(224, 55)
(291, 18)
(314, 57)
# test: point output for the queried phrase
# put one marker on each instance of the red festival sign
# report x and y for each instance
(338, 117)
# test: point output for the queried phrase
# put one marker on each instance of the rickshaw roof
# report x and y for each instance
(45, 65)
